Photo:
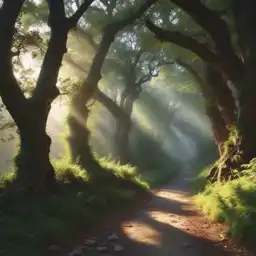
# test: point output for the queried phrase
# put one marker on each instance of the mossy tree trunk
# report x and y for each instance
(124, 125)
(34, 169)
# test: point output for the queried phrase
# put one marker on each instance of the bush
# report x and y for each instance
(233, 203)
(66, 171)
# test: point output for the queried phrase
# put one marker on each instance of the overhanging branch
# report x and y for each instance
(217, 28)
(184, 41)
(209, 20)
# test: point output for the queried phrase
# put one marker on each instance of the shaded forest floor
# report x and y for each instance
(165, 223)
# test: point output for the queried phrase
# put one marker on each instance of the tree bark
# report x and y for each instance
(245, 17)
(34, 169)
(243, 147)
(219, 128)
(221, 95)
(124, 125)
(79, 145)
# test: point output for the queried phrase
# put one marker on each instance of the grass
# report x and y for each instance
(232, 202)
(31, 224)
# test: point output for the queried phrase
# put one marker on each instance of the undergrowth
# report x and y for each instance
(30, 224)
(233, 202)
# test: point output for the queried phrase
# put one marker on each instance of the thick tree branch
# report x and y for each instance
(193, 45)
(10, 91)
(46, 90)
(73, 20)
(216, 27)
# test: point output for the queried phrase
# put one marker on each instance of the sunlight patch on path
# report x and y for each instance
(181, 215)
(142, 233)
(173, 195)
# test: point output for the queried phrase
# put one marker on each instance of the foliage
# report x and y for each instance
(233, 202)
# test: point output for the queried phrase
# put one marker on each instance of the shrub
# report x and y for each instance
(233, 202)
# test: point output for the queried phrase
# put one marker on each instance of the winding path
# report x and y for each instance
(167, 225)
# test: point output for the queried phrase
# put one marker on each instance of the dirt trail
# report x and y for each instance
(167, 225)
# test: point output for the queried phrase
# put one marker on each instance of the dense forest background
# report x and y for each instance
(103, 100)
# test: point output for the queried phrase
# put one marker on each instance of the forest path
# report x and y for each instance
(168, 224)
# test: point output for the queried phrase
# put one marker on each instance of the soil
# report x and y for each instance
(166, 224)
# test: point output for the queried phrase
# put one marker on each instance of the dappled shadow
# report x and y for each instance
(166, 223)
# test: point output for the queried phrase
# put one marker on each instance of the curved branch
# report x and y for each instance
(183, 41)
(56, 12)
(216, 27)
(10, 90)
(193, 45)
(46, 90)
(73, 20)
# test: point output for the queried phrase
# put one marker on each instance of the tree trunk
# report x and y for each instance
(245, 17)
(221, 110)
(124, 125)
(79, 139)
(220, 107)
(34, 169)
(219, 103)
(221, 95)
(219, 128)
(243, 148)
